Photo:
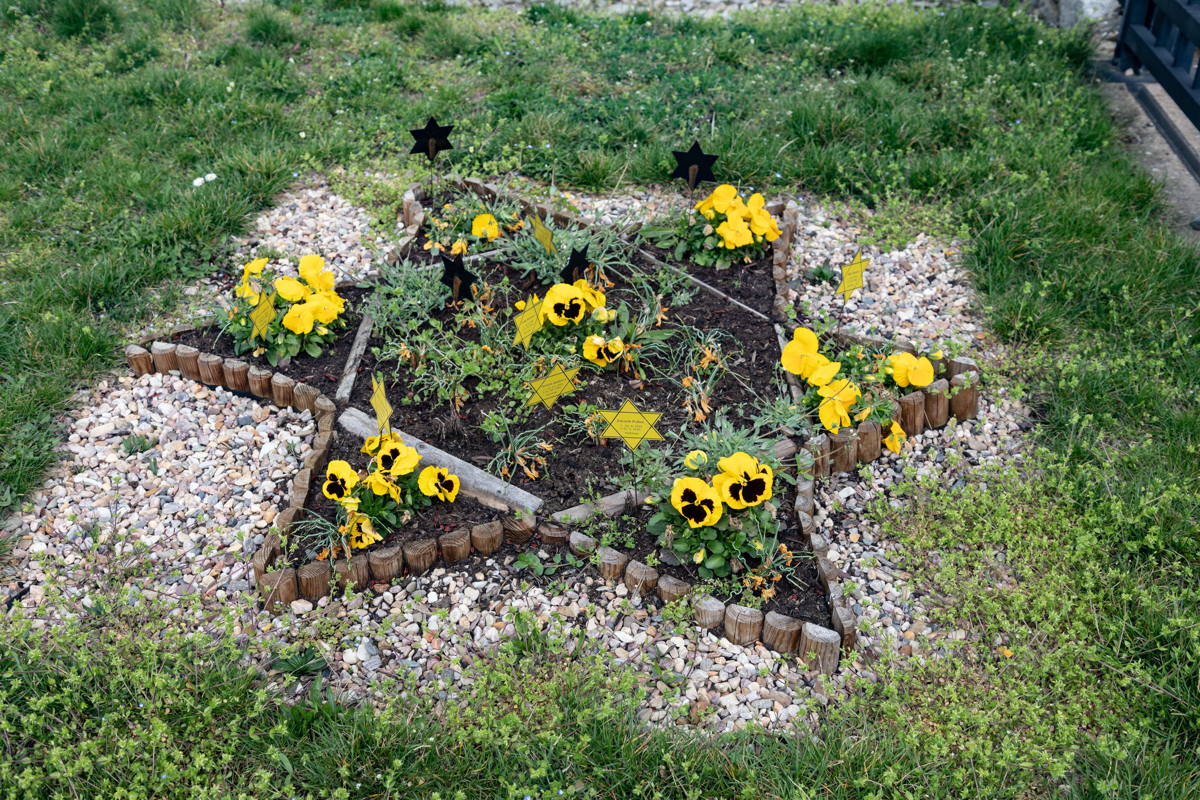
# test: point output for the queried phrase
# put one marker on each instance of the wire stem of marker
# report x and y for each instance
(693, 174)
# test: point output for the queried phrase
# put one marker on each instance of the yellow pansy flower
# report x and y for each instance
(602, 352)
(695, 459)
(485, 226)
(312, 270)
(824, 371)
(743, 481)
(734, 232)
(438, 482)
(291, 289)
(253, 269)
(696, 501)
(371, 443)
(564, 303)
(718, 200)
(834, 416)
(340, 479)
(761, 221)
(324, 310)
(592, 296)
(396, 458)
(299, 318)
(378, 483)
(908, 370)
(699, 556)
(459, 247)
(896, 438)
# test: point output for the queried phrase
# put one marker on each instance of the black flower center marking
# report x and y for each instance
(444, 483)
(753, 489)
(693, 509)
(387, 459)
(572, 309)
(336, 486)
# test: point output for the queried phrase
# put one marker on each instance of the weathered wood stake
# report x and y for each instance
(163, 354)
(314, 579)
(612, 563)
(818, 446)
(820, 648)
(843, 450)
(912, 413)
(455, 546)
(212, 369)
(281, 389)
(743, 625)
(260, 381)
(671, 588)
(140, 360)
(937, 403)
(487, 537)
(235, 371)
(965, 402)
(386, 562)
(188, 360)
(870, 437)
(781, 632)
(640, 579)
(419, 555)
(710, 612)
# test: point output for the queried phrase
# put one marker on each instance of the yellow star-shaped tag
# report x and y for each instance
(852, 276)
(528, 322)
(558, 382)
(631, 425)
(262, 315)
(542, 233)
(379, 402)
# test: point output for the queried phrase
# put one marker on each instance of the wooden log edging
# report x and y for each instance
(346, 385)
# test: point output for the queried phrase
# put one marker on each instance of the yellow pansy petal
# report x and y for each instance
(291, 289)
(921, 372)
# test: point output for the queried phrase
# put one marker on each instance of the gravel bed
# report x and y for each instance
(195, 497)
(314, 219)
(920, 293)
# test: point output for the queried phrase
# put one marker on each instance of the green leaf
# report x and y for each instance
(313, 349)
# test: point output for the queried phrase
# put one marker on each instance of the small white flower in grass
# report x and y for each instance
(303, 135)
(198, 182)
(212, 176)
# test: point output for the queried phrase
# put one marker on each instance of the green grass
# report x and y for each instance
(982, 119)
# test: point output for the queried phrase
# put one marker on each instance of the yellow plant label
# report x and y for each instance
(542, 233)
(379, 402)
(262, 315)
(554, 385)
(631, 425)
(528, 322)
(852, 276)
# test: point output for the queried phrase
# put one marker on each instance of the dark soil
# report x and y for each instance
(752, 284)
(322, 373)
(576, 464)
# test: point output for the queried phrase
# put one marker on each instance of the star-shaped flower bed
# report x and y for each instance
(557, 403)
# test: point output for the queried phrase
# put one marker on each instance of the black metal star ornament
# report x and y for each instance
(577, 265)
(432, 139)
(456, 277)
(693, 165)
